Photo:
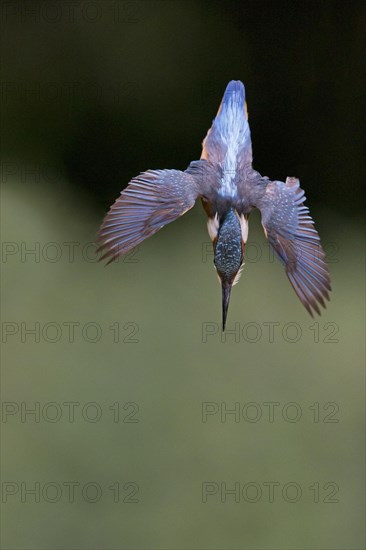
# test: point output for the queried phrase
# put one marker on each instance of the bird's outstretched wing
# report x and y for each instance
(151, 200)
(290, 231)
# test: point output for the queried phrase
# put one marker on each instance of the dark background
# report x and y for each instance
(105, 90)
(93, 93)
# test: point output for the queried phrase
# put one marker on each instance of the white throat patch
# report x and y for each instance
(244, 228)
(213, 226)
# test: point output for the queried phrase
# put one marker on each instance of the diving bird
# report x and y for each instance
(229, 189)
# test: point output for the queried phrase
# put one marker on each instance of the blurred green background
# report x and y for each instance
(92, 93)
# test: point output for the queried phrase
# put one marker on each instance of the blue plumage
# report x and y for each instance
(229, 187)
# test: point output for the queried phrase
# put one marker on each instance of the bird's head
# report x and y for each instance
(228, 256)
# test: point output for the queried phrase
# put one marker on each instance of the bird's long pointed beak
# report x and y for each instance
(226, 291)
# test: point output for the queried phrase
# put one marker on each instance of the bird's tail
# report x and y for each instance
(230, 129)
(233, 100)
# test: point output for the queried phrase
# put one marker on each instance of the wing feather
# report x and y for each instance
(290, 231)
(151, 200)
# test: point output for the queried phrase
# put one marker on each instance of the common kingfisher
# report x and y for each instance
(229, 189)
